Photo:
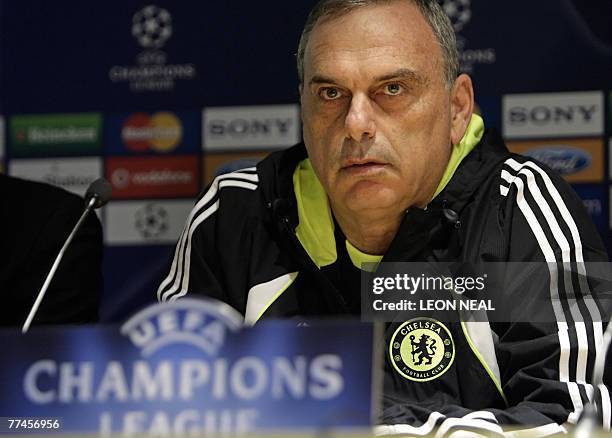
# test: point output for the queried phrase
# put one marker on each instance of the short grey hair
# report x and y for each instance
(431, 10)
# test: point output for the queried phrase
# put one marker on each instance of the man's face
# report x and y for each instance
(375, 108)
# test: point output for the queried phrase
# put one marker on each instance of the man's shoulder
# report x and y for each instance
(528, 174)
(506, 170)
(270, 179)
(277, 168)
(21, 195)
(550, 207)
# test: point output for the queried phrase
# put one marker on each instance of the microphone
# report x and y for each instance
(451, 217)
(439, 235)
(100, 190)
(97, 195)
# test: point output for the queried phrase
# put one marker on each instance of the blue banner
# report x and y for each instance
(190, 367)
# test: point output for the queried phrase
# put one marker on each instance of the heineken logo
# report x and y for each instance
(422, 349)
(62, 134)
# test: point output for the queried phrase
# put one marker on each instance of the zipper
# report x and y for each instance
(304, 259)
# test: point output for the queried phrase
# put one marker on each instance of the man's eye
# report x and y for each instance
(330, 93)
(393, 89)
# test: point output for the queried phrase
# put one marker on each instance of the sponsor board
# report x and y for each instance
(217, 164)
(55, 134)
(72, 174)
(577, 160)
(158, 222)
(569, 114)
(159, 132)
(250, 127)
(156, 177)
(151, 28)
(593, 197)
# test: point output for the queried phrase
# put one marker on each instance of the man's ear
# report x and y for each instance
(462, 106)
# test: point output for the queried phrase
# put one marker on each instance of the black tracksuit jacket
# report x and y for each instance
(239, 244)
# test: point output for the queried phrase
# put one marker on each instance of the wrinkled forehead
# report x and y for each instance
(376, 38)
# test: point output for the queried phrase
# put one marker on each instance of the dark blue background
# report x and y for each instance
(55, 57)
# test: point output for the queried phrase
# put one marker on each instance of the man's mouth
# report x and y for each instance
(361, 162)
(363, 165)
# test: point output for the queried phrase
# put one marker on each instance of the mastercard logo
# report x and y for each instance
(160, 132)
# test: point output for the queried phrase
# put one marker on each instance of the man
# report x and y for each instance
(36, 219)
(395, 166)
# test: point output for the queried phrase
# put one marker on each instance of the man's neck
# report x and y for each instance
(370, 232)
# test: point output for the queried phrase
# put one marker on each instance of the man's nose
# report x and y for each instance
(359, 120)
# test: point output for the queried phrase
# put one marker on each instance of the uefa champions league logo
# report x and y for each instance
(458, 11)
(203, 324)
(460, 14)
(152, 27)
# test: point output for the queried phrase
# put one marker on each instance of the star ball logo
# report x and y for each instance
(152, 221)
(458, 11)
(152, 27)
(422, 349)
(460, 14)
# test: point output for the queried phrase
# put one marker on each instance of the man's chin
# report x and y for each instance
(367, 195)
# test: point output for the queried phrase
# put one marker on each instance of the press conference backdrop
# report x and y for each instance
(158, 96)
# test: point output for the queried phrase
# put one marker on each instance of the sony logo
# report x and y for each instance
(542, 115)
(243, 127)
(549, 115)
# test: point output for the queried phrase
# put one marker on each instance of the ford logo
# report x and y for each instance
(563, 159)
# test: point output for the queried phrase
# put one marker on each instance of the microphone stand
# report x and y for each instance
(41, 294)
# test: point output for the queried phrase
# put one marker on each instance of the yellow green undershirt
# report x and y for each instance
(315, 230)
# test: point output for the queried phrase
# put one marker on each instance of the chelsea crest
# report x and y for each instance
(422, 349)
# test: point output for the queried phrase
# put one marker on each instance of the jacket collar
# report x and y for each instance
(471, 172)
